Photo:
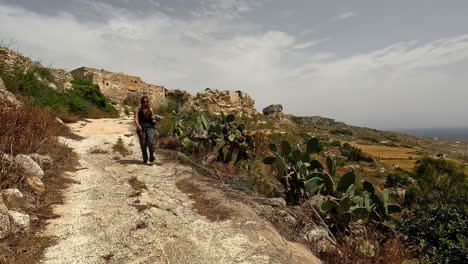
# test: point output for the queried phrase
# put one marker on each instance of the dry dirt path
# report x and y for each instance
(101, 223)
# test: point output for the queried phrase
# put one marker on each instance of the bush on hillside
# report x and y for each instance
(439, 181)
(92, 94)
(398, 178)
(355, 154)
(341, 131)
(442, 231)
(84, 99)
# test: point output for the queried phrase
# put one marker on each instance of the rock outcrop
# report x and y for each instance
(217, 102)
(5, 225)
(275, 111)
(7, 99)
(29, 166)
(11, 59)
(119, 87)
(315, 121)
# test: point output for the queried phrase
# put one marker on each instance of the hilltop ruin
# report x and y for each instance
(119, 87)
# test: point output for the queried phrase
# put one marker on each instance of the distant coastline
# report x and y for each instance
(460, 133)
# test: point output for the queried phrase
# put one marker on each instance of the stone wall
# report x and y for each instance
(10, 60)
(119, 87)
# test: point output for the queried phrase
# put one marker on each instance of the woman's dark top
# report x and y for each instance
(143, 121)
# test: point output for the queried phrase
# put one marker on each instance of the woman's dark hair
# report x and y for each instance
(143, 98)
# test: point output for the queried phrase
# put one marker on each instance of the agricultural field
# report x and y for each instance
(402, 157)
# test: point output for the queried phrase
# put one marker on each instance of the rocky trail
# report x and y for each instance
(104, 220)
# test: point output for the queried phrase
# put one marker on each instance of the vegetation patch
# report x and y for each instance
(355, 154)
(38, 87)
(22, 132)
(120, 147)
(211, 207)
(137, 185)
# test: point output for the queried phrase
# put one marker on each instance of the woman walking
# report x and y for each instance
(145, 124)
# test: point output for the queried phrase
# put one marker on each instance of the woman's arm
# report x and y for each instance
(153, 117)
(135, 119)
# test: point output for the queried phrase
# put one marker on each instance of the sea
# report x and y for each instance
(441, 133)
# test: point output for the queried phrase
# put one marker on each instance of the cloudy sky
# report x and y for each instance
(380, 64)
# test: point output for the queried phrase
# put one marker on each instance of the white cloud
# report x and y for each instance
(409, 84)
(310, 44)
(226, 8)
(344, 16)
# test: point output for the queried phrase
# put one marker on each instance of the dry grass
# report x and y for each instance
(120, 147)
(206, 205)
(398, 156)
(98, 151)
(385, 152)
(25, 130)
(373, 249)
(171, 143)
(25, 248)
(68, 118)
(137, 186)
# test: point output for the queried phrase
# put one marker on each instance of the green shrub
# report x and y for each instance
(398, 178)
(340, 162)
(341, 132)
(442, 231)
(37, 82)
(355, 154)
(439, 181)
(335, 143)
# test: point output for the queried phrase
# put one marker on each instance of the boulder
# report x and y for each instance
(354, 167)
(273, 109)
(322, 241)
(15, 200)
(5, 224)
(20, 220)
(29, 166)
(382, 173)
(43, 161)
(227, 102)
(7, 99)
(35, 183)
(59, 121)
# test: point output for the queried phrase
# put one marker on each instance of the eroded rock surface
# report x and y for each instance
(7, 99)
(228, 102)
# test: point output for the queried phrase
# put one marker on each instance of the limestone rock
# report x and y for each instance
(36, 184)
(29, 166)
(62, 79)
(228, 102)
(322, 241)
(12, 58)
(15, 200)
(43, 161)
(59, 121)
(354, 167)
(382, 173)
(20, 220)
(273, 109)
(7, 99)
(5, 225)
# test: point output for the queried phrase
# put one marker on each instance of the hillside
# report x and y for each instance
(230, 185)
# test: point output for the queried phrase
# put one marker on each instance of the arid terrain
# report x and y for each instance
(105, 220)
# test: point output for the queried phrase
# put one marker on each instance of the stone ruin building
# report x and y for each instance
(119, 87)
